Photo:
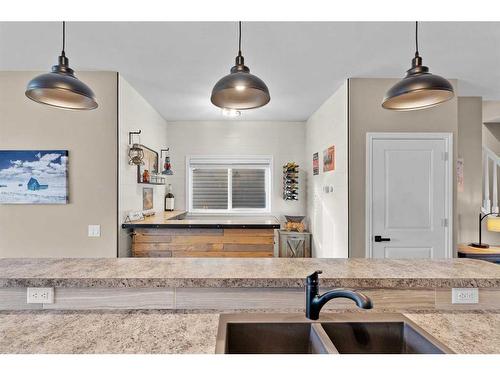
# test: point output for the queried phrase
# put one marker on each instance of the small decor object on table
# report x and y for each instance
(34, 177)
(169, 199)
(291, 182)
(329, 159)
(134, 216)
(147, 198)
(492, 224)
(295, 223)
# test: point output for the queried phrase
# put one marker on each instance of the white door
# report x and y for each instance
(409, 195)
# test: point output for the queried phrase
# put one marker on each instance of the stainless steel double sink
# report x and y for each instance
(346, 333)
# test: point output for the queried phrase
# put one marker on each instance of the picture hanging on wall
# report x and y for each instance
(33, 177)
(329, 159)
(460, 175)
(315, 163)
(147, 198)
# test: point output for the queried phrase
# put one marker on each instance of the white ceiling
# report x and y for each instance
(174, 65)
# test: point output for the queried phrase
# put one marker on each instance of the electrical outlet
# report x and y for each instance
(94, 230)
(40, 295)
(464, 295)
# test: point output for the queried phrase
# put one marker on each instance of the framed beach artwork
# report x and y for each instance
(329, 159)
(33, 176)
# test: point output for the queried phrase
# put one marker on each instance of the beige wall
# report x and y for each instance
(90, 138)
(136, 113)
(470, 150)
(328, 212)
(367, 115)
(285, 141)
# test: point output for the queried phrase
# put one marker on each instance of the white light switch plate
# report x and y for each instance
(40, 295)
(464, 295)
(94, 230)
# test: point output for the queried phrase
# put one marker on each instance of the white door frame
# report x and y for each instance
(448, 138)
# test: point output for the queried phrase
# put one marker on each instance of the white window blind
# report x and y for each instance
(229, 184)
(249, 188)
(210, 189)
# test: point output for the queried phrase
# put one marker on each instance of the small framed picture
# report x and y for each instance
(147, 198)
(460, 175)
(329, 159)
(315, 163)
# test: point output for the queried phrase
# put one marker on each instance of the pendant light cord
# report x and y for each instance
(239, 39)
(416, 38)
(63, 37)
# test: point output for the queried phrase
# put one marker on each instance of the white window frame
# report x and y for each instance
(222, 162)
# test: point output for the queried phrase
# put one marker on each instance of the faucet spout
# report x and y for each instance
(315, 302)
(360, 299)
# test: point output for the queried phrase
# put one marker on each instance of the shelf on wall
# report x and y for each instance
(153, 180)
(152, 183)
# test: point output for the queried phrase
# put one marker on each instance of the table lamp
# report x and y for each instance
(492, 224)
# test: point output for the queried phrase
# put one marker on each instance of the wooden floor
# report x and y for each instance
(200, 243)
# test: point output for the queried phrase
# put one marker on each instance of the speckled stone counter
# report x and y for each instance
(107, 332)
(163, 332)
(232, 272)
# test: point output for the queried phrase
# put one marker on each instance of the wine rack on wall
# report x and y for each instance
(291, 182)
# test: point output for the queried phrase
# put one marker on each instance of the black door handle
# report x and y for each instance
(381, 239)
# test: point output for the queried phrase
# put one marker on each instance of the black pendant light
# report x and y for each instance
(419, 89)
(240, 90)
(60, 88)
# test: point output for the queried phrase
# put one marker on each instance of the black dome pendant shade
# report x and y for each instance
(60, 88)
(418, 89)
(240, 90)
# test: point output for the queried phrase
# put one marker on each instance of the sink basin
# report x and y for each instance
(379, 338)
(281, 338)
(333, 334)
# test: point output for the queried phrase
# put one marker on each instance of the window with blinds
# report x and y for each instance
(210, 189)
(248, 188)
(229, 185)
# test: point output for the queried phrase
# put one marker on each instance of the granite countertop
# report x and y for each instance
(176, 219)
(238, 272)
(163, 332)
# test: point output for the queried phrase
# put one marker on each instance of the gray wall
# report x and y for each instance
(90, 138)
(469, 149)
(367, 115)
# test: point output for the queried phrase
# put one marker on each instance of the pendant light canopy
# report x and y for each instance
(418, 89)
(240, 90)
(60, 88)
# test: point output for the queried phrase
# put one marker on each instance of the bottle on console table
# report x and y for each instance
(169, 199)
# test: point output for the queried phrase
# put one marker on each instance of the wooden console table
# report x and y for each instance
(492, 254)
